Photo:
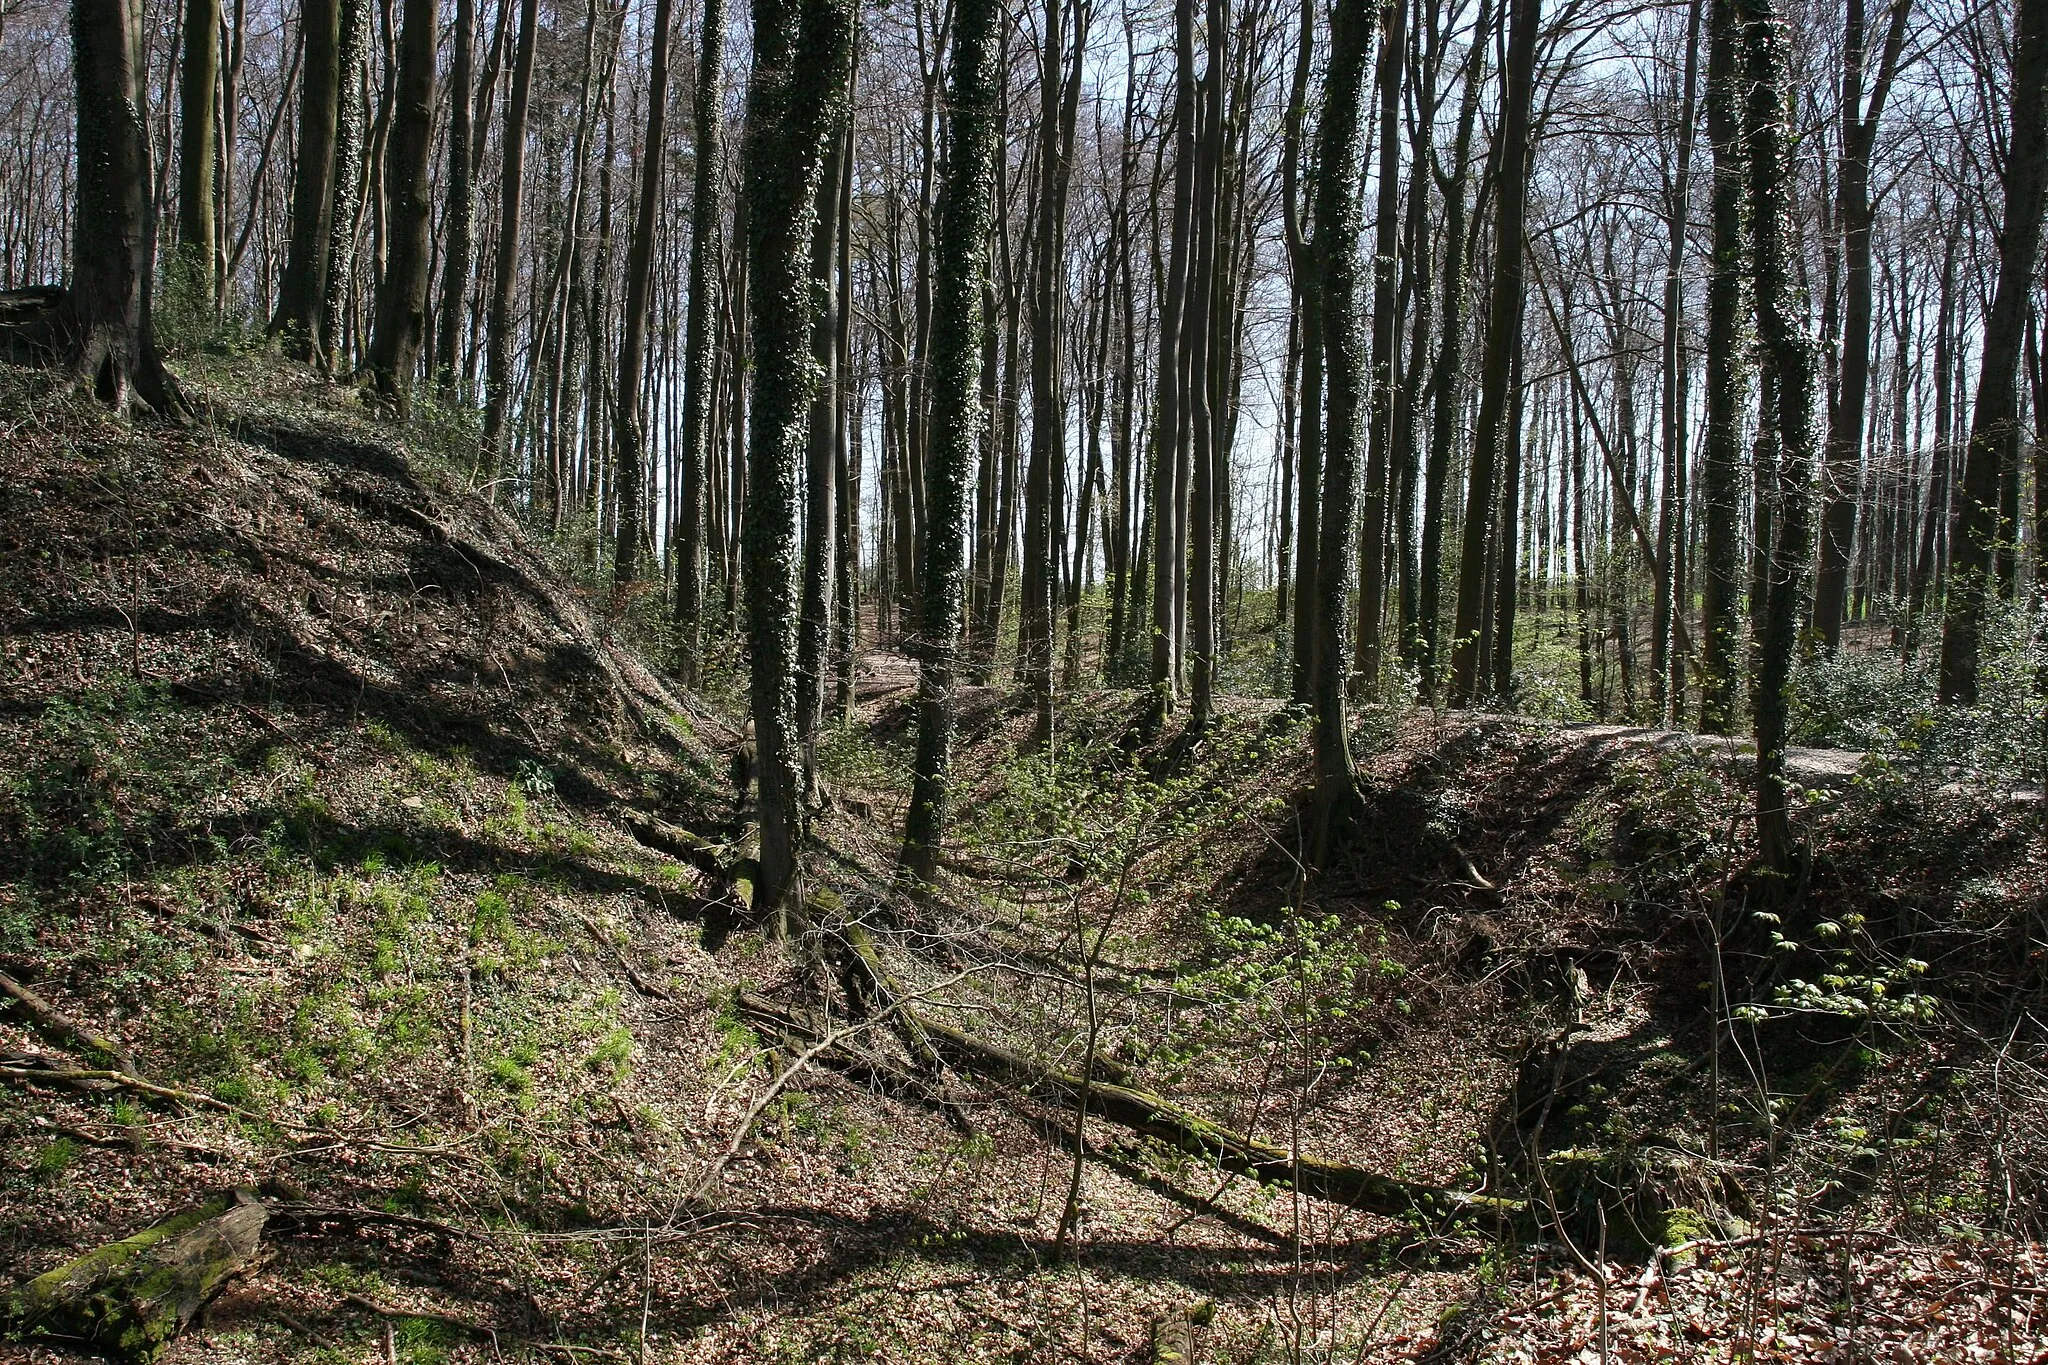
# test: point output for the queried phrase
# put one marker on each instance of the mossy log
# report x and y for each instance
(133, 1297)
(1155, 1117)
(1173, 1336)
(722, 862)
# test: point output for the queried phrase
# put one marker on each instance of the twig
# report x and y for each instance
(390, 1311)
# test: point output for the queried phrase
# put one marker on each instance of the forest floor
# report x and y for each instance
(318, 782)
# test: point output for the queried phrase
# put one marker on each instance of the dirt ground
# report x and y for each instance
(315, 776)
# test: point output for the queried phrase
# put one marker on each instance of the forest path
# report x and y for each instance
(1825, 769)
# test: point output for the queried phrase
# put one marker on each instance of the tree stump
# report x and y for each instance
(131, 1298)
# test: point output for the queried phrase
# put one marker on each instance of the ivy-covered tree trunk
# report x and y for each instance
(960, 261)
(802, 63)
(1337, 231)
(1791, 357)
(349, 141)
(1721, 456)
(700, 339)
(401, 326)
(1994, 424)
(821, 484)
(302, 289)
(629, 445)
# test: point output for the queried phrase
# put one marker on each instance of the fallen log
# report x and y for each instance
(1173, 1336)
(713, 859)
(1152, 1116)
(133, 1297)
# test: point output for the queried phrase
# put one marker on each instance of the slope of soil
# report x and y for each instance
(312, 777)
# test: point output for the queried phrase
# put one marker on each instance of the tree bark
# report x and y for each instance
(302, 290)
(1853, 212)
(198, 230)
(343, 218)
(401, 328)
(1791, 357)
(1386, 339)
(1720, 460)
(820, 484)
(802, 64)
(1337, 232)
(1503, 341)
(628, 421)
(131, 1298)
(1450, 363)
(460, 221)
(505, 268)
(699, 340)
(960, 259)
(1994, 422)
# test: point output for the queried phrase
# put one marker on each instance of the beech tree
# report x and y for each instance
(802, 65)
(401, 327)
(960, 258)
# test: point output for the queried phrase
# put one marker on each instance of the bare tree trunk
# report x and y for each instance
(408, 171)
(1169, 478)
(1386, 339)
(1449, 366)
(505, 269)
(1853, 214)
(1669, 604)
(198, 230)
(302, 291)
(1994, 424)
(628, 421)
(1503, 341)
(461, 210)
(699, 341)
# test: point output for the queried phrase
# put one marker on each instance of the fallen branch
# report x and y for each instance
(64, 1031)
(386, 1310)
(1155, 1117)
(99, 1080)
(1173, 1336)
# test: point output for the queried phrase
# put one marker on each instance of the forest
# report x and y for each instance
(941, 680)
